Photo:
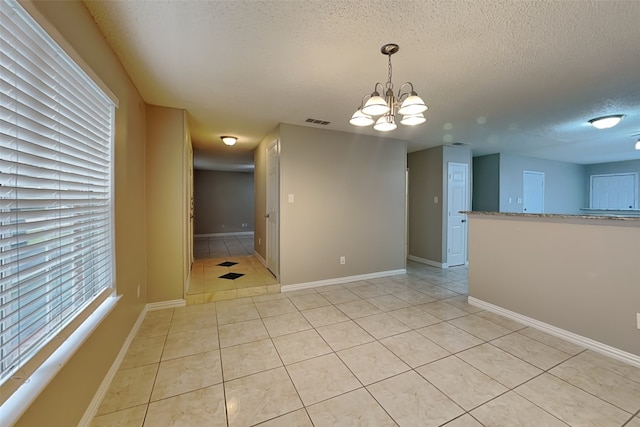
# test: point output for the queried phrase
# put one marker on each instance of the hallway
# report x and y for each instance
(225, 268)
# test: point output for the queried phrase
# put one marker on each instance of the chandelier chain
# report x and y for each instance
(389, 82)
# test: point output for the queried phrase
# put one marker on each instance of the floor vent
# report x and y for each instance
(317, 122)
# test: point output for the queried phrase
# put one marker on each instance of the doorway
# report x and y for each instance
(458, 200)
(273, 208)
(532, 192)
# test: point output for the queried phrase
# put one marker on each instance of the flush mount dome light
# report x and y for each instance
(638, 144)
(229, 140)
(606, 122)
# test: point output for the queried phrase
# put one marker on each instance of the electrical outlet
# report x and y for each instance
(138, 291)
(343, 260)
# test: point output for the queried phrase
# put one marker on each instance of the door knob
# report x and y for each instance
(266, 216)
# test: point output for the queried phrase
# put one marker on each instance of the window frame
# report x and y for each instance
(39, 370)
(635, 190)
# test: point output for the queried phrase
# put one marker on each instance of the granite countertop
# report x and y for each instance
(553, 216)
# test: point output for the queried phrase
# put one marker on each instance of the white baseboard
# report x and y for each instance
(93, 407)
(262, 260)
(340, 280)
(596, 346)
(428, 262)
(174, 303)
(233, 233)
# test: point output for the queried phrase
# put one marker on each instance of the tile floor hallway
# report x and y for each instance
(403, 350)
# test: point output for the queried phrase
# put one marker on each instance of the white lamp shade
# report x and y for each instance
(413, 119)
(385, 124)
(375, 106)
(606, 122)
(412, 105)
(361, 119)
(229, 140)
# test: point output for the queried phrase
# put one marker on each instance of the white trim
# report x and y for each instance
(442, 265)
(161, 305)
(93, 407)
(262, 260)
(596, 346)
(236, 233)
(339, 280)
(16, 405)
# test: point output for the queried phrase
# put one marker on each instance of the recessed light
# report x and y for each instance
(606, 122)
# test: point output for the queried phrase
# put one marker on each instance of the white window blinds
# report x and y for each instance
(56, 131)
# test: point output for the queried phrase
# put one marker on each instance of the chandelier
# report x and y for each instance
(407, 103)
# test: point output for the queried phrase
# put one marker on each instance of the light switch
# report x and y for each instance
(291, 198)
(435, 199)
(510, 200)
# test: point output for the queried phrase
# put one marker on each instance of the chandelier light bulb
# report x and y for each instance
(385, 124)
(412, 105)
(376, 105)
(361, 119)
(413, 119)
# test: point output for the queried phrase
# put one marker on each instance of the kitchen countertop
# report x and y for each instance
(553, 216)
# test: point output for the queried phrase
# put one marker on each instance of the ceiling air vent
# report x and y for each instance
(317, 122)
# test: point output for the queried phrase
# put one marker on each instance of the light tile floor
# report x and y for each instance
(404, 350)
(205, 247)
(207, 286)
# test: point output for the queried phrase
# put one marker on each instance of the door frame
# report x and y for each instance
(525, 172)
(467, 191)
(272, 236)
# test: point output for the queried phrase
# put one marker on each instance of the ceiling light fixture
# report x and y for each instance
(407, 103)
(606, 122)
(638, 144)
(229, 140)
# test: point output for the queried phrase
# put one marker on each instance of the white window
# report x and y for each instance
(56, 137)
(614, 191)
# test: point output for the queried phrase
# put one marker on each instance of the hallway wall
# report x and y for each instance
(223, 201)
(349, 200)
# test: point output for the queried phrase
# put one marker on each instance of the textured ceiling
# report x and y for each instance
(520, 77)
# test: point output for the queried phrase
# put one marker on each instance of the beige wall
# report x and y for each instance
(166, 198)
(223, 201)
(428, 219)
(582, 276)
(66, 398)
(349, 193)
(426, 173)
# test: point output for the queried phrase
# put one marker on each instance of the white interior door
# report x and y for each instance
(532, 192)
(273, 208)
(458, 200)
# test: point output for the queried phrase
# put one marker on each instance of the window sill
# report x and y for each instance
(17, 404)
